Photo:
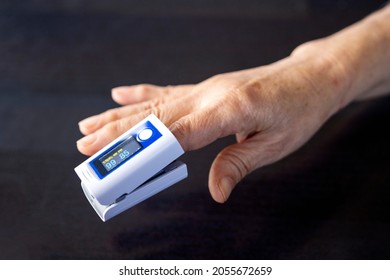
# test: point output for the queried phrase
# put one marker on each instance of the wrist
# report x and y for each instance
(357, 58)
(327, 70)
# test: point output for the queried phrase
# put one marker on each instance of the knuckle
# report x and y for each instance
(153, 103)
(239, 166)
(157, 111)
(216, 78)
(111, 115)
(142, 88)
(110, 129)
(115, 128)
(180, 129)
(243, 98)
(152, 107)
(181, 132)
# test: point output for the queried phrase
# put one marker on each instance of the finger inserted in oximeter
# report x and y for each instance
(138, 164)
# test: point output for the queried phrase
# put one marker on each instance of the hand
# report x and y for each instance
(272, 110)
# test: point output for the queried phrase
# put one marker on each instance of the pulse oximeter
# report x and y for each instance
(135, 166)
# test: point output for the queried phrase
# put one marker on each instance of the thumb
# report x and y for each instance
(230, 166)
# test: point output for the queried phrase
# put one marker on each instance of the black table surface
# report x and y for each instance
(59, 60)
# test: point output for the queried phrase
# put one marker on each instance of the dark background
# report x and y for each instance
(58, 62)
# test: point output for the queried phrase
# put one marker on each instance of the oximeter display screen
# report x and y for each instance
(110, 159)
(119, 154)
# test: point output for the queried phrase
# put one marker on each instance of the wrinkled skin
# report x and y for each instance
(273, 110)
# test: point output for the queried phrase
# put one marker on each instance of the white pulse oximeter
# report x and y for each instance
(135, 166)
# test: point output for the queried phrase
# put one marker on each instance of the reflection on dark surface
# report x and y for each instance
(329, 200)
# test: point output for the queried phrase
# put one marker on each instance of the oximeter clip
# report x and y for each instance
(137, 165)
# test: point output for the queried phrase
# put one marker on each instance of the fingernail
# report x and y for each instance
(88, 122)
(225, 187)
(118, 90)
(87, 140)
(118, 95)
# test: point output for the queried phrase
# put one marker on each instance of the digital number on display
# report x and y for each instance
(119, 154)
(113, 160)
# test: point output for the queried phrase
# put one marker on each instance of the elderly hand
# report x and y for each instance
(272, 110)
